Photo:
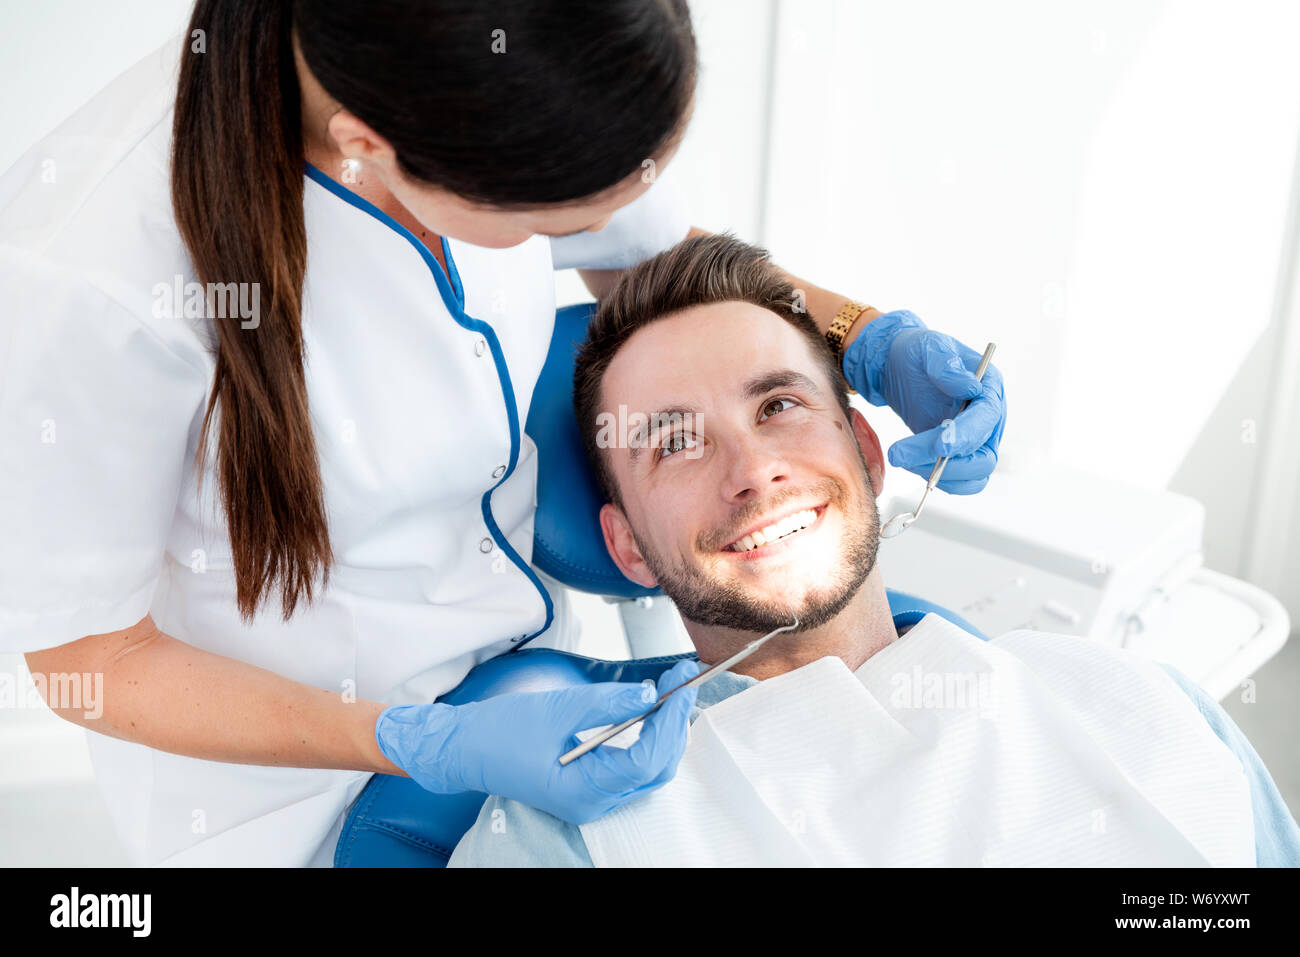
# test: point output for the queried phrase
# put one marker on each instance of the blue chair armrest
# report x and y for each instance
(396, 823)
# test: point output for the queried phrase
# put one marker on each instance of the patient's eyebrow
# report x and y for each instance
(756, 385)
(765, 382)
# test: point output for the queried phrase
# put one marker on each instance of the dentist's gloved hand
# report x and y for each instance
(925, 376)
(510, 745)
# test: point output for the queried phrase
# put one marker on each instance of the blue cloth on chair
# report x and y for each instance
(1277, 838)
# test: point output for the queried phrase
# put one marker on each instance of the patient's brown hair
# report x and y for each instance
(697, 271)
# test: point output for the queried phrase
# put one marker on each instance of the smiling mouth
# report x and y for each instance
(779, 531)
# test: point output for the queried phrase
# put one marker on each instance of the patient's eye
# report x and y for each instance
(774, 402)
(677, 442)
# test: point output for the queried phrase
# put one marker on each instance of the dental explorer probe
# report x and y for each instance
(902, 520)
(707, 675)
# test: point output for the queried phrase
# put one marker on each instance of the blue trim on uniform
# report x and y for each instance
(454, 273)
(453, 297)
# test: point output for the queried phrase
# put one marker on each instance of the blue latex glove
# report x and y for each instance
(925, 376)
(510, 745)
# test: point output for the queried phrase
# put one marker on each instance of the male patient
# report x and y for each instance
(747, 490)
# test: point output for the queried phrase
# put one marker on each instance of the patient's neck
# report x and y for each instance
(863, 627)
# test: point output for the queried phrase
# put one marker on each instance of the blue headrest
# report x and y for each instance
(396, 823)
(567, 541)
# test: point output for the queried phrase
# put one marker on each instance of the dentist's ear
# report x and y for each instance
(622, 546)
(869, 443)
(356, 140)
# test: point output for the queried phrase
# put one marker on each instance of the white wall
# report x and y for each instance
(56, 54)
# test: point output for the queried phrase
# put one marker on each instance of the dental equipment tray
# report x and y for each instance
(1065, 552)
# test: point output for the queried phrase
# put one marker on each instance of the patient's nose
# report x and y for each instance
(753, 469)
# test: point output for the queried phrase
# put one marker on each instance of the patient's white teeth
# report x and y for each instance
(777, 530)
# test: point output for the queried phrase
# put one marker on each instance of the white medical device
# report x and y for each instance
(1062, 551)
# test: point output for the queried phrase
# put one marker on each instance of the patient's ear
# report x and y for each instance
(869, 443)
(622, 546)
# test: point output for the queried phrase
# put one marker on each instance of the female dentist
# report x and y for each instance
(274, 303)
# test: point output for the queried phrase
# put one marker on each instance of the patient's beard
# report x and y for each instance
(703, 599)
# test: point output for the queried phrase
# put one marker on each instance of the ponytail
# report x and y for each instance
(237, 188)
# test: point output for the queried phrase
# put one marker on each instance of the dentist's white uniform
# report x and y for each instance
(419, 387)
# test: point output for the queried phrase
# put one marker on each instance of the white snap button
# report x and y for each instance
(485, 546)
(480, 347)
(499, 471)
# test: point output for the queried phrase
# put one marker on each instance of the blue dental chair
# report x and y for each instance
(395, 822)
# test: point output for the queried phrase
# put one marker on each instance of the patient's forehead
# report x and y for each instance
(701, 356)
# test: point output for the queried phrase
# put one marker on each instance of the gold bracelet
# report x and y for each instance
(841, 324)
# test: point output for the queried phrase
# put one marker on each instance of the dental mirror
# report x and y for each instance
(707, 675)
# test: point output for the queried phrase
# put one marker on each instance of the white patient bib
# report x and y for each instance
(945, 750)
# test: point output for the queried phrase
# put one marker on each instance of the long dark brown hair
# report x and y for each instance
(513, 103)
